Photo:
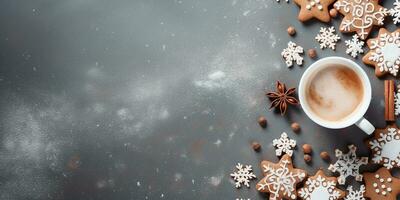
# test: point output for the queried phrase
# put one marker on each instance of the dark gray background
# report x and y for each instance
(150, 99)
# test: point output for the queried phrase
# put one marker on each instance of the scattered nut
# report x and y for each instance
(325, 155)
(312, 53)
(307, 149)
(307, 158)
(295, 127)
(256, 146)
(262, 121)
(291, 31)
(333, 13)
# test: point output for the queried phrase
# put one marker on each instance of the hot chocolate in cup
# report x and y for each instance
(335, 93)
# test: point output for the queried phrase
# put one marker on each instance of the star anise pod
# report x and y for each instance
(282, 97)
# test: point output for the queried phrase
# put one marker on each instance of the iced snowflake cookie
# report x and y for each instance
(355, 194)
(243, 175)
(384, 52)
(284, 145)
(314, 9)
(385, 146)
(280, 179)
(320, 187)
(348, 164)
(292, 53)
(360, 16)
(381, 185)
(354, 46)
(327, 38)
(395, 12)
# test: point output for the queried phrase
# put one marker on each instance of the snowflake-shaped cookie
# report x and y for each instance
(360, 16)
(284, 145)
(327, 38)
(280, 179)
(385, 146)
(381, 185)
(292, 53)
(355, 194)
(384, 52)
(354, 46)
(320, 187)
(243, 175)
(395, 12)
(348, 164)
(397, 102)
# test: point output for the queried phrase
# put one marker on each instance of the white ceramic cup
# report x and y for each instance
(357, 116)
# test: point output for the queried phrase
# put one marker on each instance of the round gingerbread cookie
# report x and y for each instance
(314, 9)
(385, 146)
(384, 52)
(320, 187)
(280, 179)
(381, 185)
(360, 16)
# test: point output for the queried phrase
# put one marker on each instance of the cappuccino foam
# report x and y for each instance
(334, 93)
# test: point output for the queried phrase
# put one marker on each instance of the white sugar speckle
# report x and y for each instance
(216, 180)
(138, 184)
(218, 143)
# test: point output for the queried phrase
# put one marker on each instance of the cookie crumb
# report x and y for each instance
(312, 53)
(333, 13)
(256, 146)
(262, 121)
(295, 127)
(307, 158)
(325, 155)
(307, 149)
(291, 31)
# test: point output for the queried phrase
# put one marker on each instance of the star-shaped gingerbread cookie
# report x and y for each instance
(320, 187)
(360, 16)
(384, 52)
(280, 179)
(314, 9)
(381, 185)
(385, 146)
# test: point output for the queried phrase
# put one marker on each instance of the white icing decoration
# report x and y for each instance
(348, 164)
(397, 102)
(314, 3)
(243, 175)
(354, 46)
(395, 12)
(386, 148)
(355, 194)
(327, 38)
(319, 189)
(292, 53)
(280, 180)
(284, 145)
(364, 15)
(382, 184)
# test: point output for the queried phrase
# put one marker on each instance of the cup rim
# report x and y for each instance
(355, 116)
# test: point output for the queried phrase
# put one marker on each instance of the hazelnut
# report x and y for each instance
(291, 31)
(324, 155)
(307, 158)
(295, 127)
(307, 149)
(312, 53)
(256, 146)
(262, 121)
(333, 13)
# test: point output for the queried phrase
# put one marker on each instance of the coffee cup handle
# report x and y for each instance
(366, 126)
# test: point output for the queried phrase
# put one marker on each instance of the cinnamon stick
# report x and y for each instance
(389, 100)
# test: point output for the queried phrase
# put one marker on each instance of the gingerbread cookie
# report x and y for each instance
(384, 52)
(360, 16)
(381, 185)
(385, 146)
(314, 9)
(320, 187)
(280, 179)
